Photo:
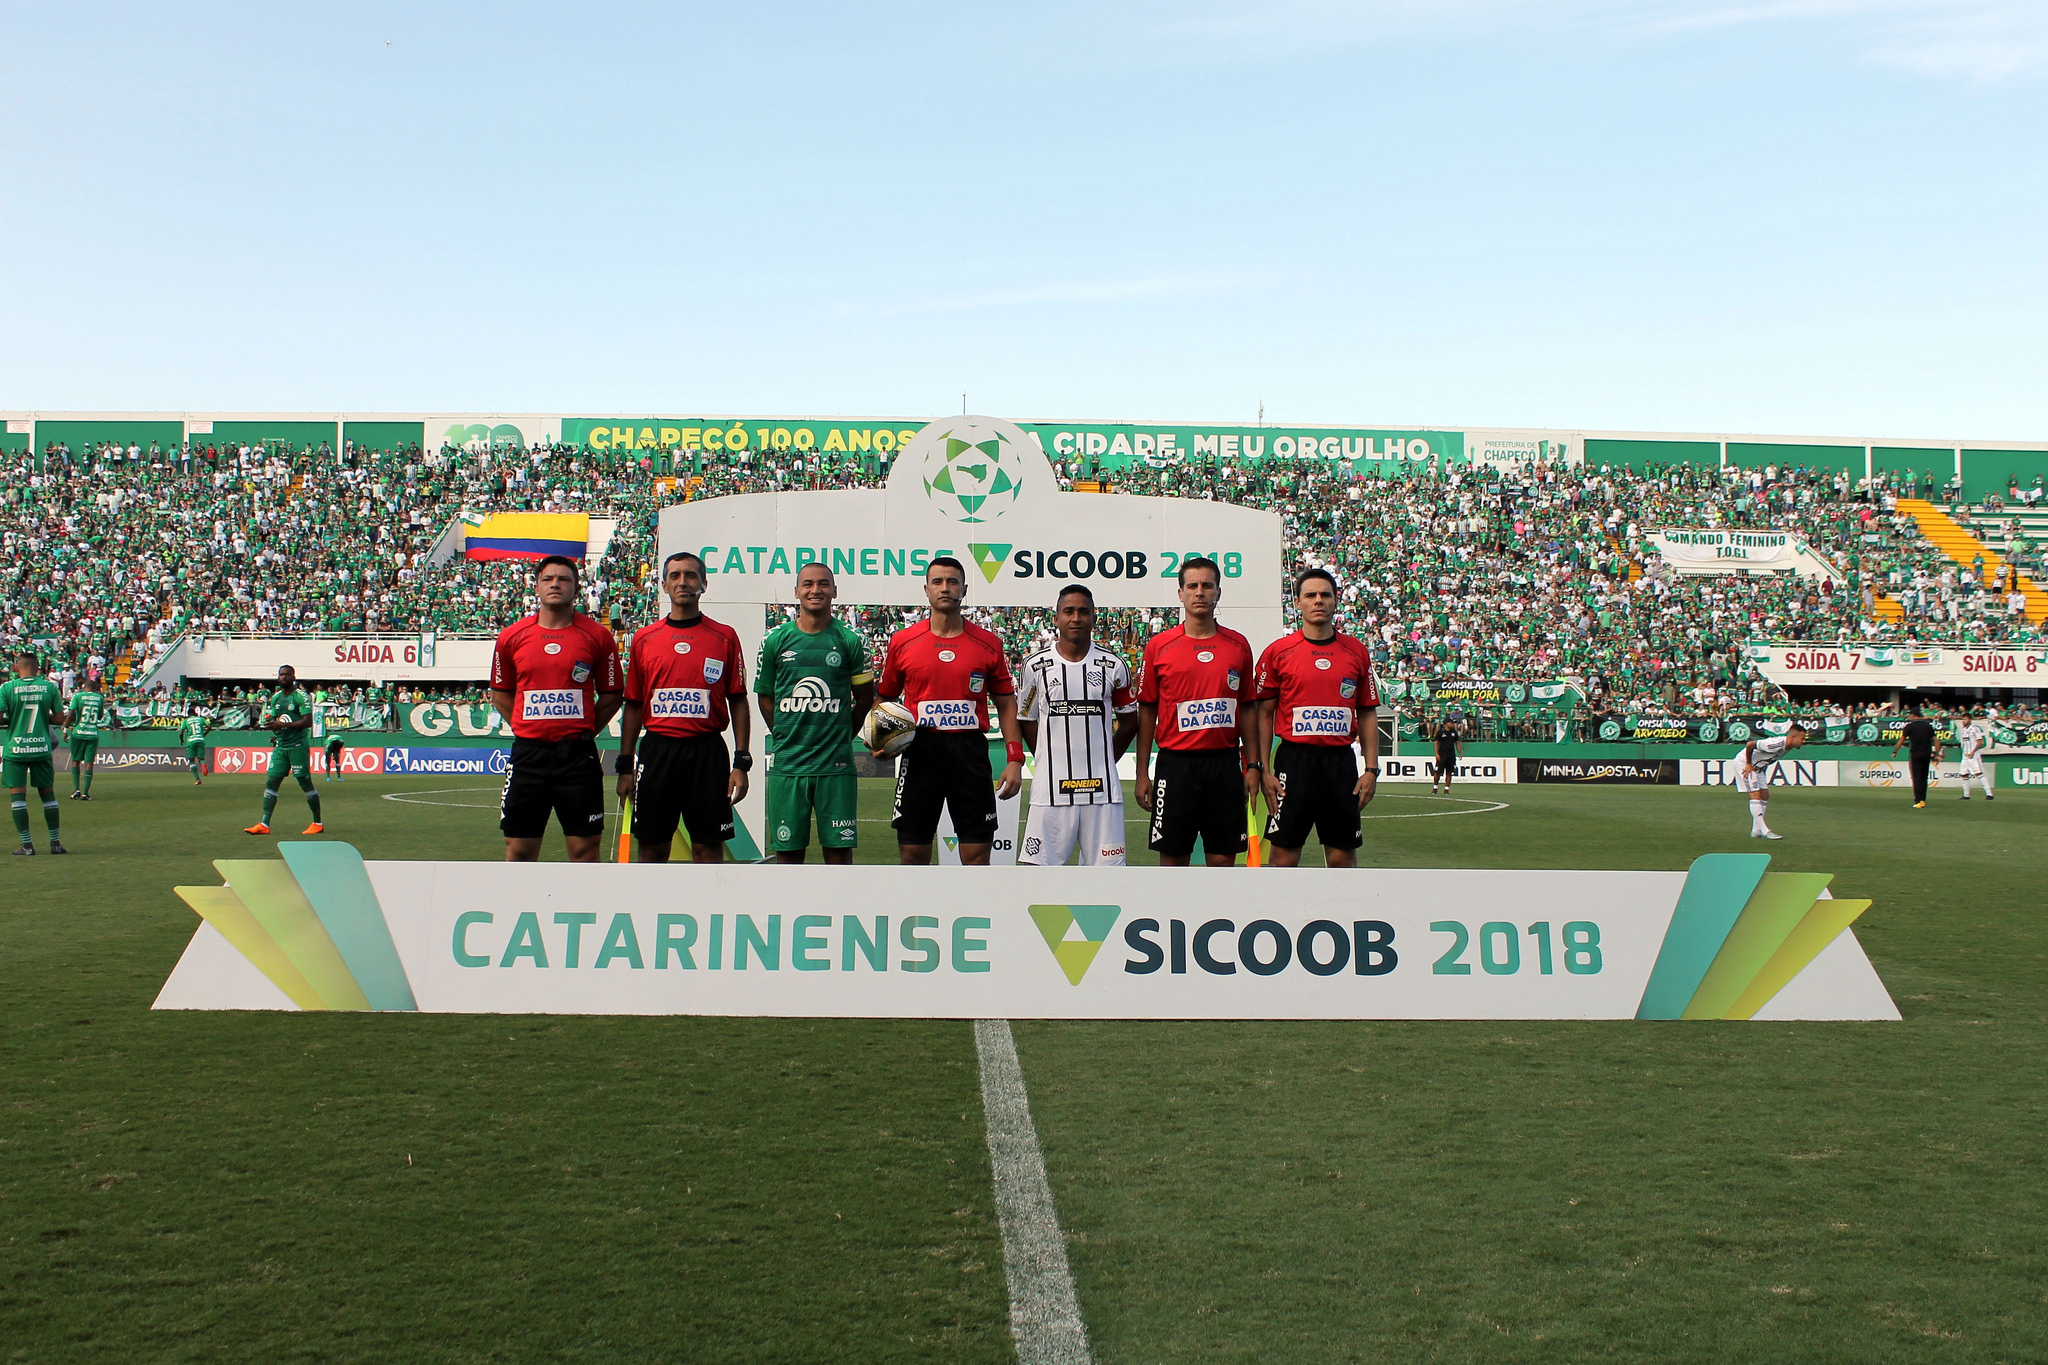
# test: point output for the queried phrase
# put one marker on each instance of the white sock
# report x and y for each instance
(1756, 817)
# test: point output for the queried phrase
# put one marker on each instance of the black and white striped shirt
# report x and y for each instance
(1075, 705)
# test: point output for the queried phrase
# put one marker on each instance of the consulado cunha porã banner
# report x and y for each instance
(320, 928)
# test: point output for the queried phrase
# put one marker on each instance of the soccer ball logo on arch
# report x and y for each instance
(971, 469)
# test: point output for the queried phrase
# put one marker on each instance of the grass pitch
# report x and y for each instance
(320, 1187)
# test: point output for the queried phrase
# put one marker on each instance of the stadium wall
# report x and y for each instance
(1984, 465)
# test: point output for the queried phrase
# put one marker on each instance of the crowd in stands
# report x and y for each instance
(1540, 572)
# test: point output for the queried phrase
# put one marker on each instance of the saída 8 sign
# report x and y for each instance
(1727, 940)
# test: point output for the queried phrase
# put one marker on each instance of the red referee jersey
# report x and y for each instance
(1198, 686)
(1321, 685)
(680, 676)
(554, 676)
(946, 680)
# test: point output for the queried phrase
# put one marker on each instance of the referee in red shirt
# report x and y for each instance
(555, 679)
(1315, 687)
(682, 673)
(945, 669)
(1195, 698)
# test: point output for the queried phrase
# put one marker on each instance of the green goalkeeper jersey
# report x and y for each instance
(193, 730)
(88, 714)
(26, 705)
(292, 705)
(811, 678)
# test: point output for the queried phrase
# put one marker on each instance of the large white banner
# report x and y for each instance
(1727, 939)
(1726, 551)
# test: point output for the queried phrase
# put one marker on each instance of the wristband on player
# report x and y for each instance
(623, 764)
(1255, 766)
(742, 761)
(1374, 770)
(1013, 751)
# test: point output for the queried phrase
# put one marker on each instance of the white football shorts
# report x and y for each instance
(1052, 833)
(1752, 779)
(1973, 765)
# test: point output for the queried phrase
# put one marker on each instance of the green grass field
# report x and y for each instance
(277, 1187)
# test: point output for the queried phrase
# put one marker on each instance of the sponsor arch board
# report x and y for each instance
(980, 490)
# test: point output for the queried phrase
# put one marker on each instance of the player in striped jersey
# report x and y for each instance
(1753, 767)
(1077, 696)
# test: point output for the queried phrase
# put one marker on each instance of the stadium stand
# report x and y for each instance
(1534, 572)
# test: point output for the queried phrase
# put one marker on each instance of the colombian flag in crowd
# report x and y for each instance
(527, 535)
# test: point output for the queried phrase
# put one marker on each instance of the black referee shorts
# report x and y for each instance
(681, 781)
(1446, 764)
(559, 776)
(1197, 792)
(1318, 790)
(948, 768)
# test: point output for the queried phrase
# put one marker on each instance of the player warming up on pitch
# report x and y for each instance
(1195, 699)
(1753, 769)
(1078, 712)
(814, 688)
(192, 734)
(87, 716)
(1315, 690)
(1972, 735)
(944, 670)
(28, 703)
(555, 679)
(682, 675)
(1449, 736)
(288, 714)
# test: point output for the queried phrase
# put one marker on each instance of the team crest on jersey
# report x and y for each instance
(1032, 845)
(1323, 664)
(832, 659)
(1207, 656)
(1348, 688)
(714, 669)
(1231, 679)
(1095, 677)
(579, 672)
(974, 681)
(552, 647)
(945, 656)
(682, 646)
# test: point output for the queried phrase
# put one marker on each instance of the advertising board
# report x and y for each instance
(1720, 772)
(322, 929)
(1879, 772)
(1492, 770)
(1660, 772)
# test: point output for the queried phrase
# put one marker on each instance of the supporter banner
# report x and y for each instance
(1710, 729)
(1661, 772)
(1093, 445)
(1727, 551)
(1889, 731)
(2013, 733)
(1902, 665)
(1490, 770)
(1720, 772)
(1483, 692)
(437, 718)
(322, 929)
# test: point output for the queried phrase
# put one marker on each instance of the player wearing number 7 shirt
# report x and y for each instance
(682, 676)
(945, 670)
(1316, 691)
(1195, 697)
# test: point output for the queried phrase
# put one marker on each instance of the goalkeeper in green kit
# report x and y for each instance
(88, 714)
(27, 702)
(289, 715)
(814, 687)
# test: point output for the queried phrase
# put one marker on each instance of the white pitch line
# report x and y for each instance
(1481, 807)
(412, 798)
(1045, 1317)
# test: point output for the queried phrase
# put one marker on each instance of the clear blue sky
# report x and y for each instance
(1780, 215)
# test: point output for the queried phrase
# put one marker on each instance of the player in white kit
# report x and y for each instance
(1753, 774)
(1973, 735)
(1079, 712)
